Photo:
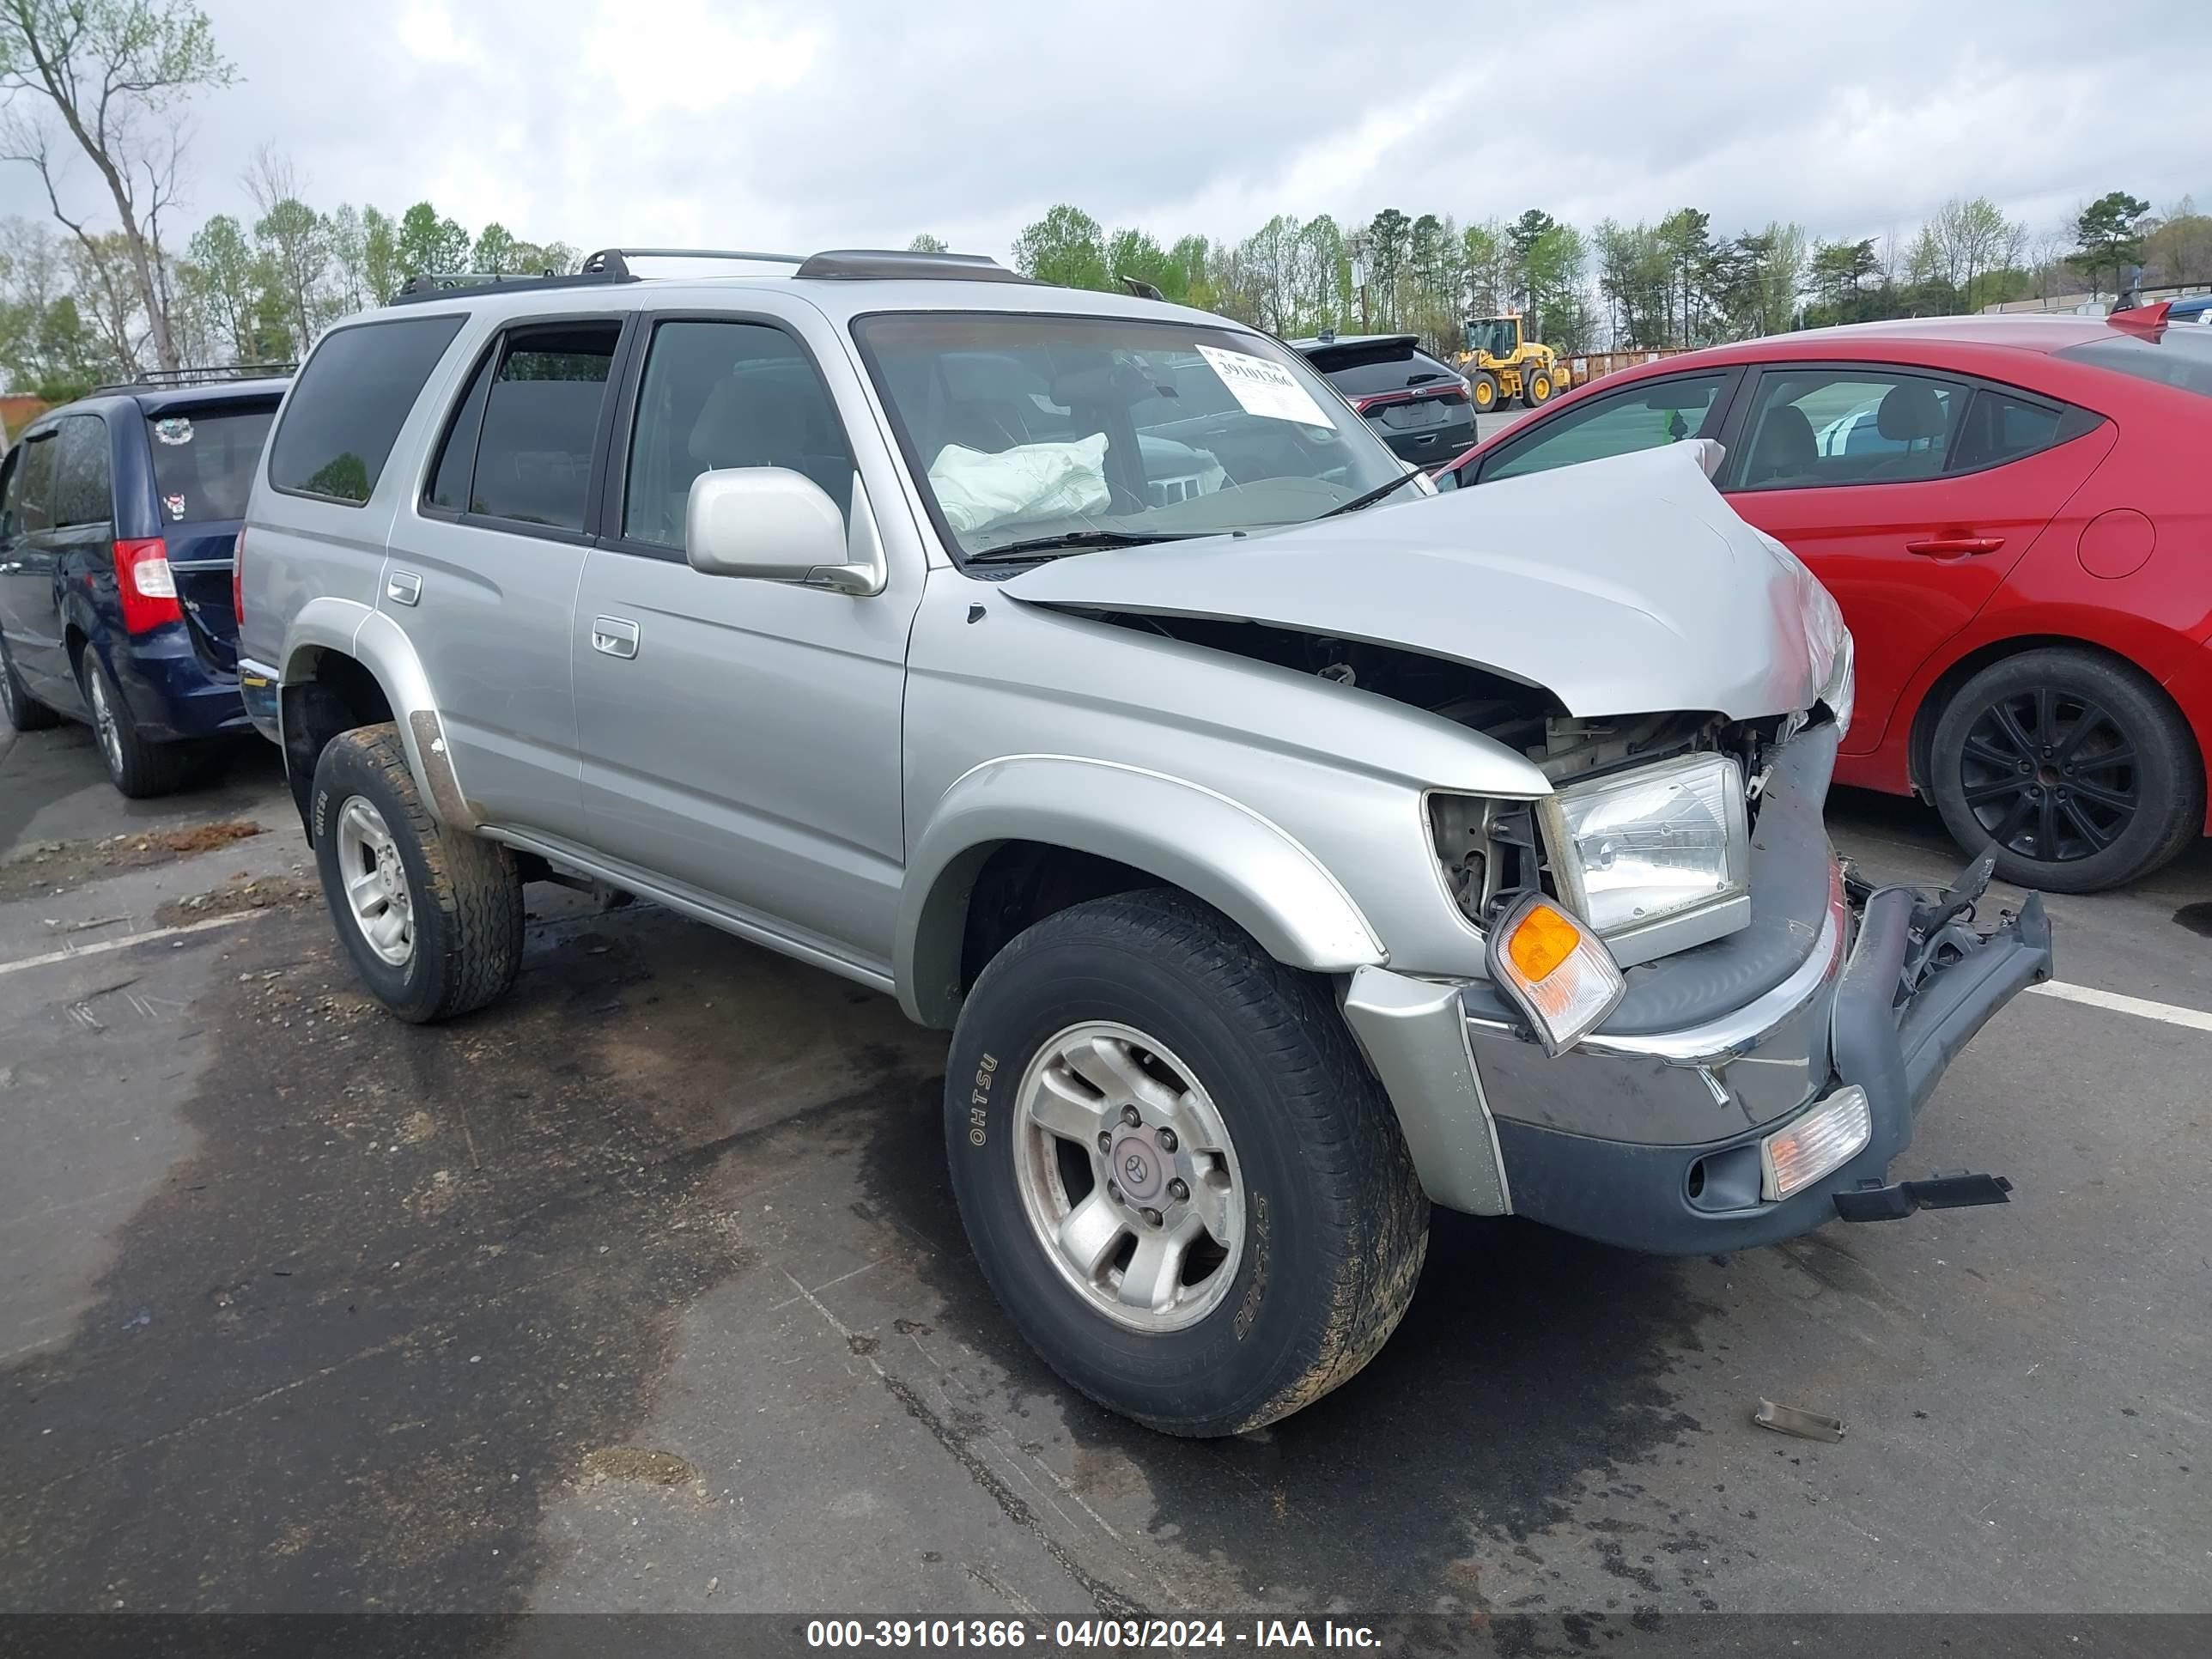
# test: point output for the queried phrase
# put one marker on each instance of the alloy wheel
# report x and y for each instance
(104, 720)
(2050, 775)
(376, 890)
(1127, 1177)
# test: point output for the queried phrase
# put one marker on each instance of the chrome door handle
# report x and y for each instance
(403, 587)
(614, 636)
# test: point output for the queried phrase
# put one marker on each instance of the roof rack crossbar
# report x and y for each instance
(615, 261)
(171, 379)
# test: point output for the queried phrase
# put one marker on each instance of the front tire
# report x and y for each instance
(24, 712)
(1482, 391)
(1176, 1172)
(139, 770)
(2072, 767)
(431, 916)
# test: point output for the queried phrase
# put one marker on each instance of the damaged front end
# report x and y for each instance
(1756, 1086)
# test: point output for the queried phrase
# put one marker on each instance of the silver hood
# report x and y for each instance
(1623, 586)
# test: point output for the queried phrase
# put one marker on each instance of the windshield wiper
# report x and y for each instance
(1077, 541)
(1372, 496)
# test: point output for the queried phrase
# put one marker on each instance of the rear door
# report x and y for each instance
(1910, 493)
(204, 461)
(482, 574)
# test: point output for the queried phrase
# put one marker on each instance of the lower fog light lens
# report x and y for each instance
(1819, 1143)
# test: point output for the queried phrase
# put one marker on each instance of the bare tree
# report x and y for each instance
(113, 71)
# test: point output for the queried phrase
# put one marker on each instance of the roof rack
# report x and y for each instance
(174, 380)
(612, 265)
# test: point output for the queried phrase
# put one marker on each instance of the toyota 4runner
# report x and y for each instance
(1286, 847)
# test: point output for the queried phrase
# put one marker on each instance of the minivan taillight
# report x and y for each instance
(146, 584)
(238, 579)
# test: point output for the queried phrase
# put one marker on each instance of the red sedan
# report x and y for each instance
(2014, 513)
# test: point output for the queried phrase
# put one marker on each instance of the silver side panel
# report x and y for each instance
(1190, 838)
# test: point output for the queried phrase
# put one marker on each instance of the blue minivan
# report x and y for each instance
(118, 517)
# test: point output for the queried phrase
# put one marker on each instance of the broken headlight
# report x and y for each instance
(1633, 847)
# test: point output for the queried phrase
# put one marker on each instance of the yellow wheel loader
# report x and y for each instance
(1500, 353)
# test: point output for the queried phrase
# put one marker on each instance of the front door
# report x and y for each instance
(28, 610)
(741, 738)
(1908, 493)
(484, 581)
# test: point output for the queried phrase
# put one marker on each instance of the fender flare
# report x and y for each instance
(381, 646)
(1242, 864)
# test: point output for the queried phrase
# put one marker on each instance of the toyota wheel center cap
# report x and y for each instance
(1137, 1167)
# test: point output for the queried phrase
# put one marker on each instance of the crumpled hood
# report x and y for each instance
(1624, 586)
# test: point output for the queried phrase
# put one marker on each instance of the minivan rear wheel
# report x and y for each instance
(139, 771)
(431, 915)
(1176, 1172)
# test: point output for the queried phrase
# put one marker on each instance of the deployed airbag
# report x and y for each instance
(1028, 482)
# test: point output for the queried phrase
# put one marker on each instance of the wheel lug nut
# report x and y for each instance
(1153, 1218)
(1114, 1191)
(1177, 1191)
(1166, 1140)
(1105, 1141)
(1131, 1117)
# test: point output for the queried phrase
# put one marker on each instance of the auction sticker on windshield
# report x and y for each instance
(1264, 388)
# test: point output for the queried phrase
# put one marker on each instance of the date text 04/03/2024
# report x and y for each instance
(928, 1634)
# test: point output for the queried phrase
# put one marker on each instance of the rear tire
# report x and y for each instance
(1539, 389)
(1296, 1186)
(2072, 767)
(24, 712)
(431, 916)
(139, 770)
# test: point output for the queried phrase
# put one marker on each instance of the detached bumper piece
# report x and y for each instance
(1871, 1201)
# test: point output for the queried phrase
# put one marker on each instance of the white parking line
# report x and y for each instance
(2166, 1012)
(125, 942)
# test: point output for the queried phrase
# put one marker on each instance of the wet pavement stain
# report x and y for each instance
(1530, 1373)
(409, 1282)
(2196, 917)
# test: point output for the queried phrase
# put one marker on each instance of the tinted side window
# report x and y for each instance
(83, 489)
(1641, 417)
(352, 398)
(541, 422)
(457, 455)
(11, 477)
(720, 395)
(33, 501)
(1817, 427)
(2001, 428)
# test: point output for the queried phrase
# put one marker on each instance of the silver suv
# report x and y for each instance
(1286, 847)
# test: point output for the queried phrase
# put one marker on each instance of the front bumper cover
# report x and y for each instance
(1647, 1134)
(1905, 1003)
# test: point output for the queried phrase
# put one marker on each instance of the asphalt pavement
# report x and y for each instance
(644, 1291)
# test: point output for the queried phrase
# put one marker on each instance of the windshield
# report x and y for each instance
(1491, 334)
(203, 459)
(1022, 428)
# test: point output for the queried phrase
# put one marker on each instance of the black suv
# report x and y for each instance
(1417, 403)
(118, 515)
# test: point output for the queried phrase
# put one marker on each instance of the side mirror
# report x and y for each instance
(774, 525)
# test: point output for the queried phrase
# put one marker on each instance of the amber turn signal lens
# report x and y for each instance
(1542, 941)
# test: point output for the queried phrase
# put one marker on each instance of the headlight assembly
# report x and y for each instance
(1637, 847)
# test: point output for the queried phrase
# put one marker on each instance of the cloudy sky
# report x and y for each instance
(860, 122)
